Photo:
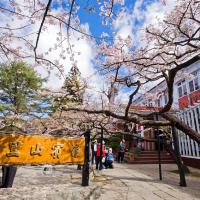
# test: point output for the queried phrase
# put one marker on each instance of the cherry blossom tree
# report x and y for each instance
(166, 48)
(169, 48)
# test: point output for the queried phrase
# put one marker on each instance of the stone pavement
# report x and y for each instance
(124, 182)
(141, 182)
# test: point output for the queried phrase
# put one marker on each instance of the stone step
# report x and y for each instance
(148, 155)
(153, 152)
(151, 162)
(154, 155)
(153, 158)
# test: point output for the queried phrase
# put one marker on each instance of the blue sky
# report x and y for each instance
(89, 11)
(137, 14)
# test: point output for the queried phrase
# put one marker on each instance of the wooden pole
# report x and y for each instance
(85, 171)
(8, 176)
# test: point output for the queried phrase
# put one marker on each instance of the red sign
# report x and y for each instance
(191, 99)
(194, 97)
(183, 102)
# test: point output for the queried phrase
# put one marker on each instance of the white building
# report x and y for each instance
(186, 90)
(186, 102)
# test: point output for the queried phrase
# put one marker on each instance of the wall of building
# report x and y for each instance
(187, 102)
(191, 94)
(187, 86)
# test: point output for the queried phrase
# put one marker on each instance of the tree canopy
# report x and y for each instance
(163, 49)
(18, 86)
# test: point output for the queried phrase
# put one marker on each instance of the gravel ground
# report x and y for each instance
(125, 181)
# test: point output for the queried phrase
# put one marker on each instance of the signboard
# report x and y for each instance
(183, 102)
(191, 99)
(194, 97)
(37, 150)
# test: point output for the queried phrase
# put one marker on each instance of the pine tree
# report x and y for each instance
(73, 87)
(18, 84)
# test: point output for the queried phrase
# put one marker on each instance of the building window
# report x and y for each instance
(180, 92)
(195, 83)
(166, 98)
(182, 89)
(191, 86)
(159, 102)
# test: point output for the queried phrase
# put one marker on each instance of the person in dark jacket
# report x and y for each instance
(121, 151)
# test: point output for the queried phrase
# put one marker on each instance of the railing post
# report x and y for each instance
(85, 171)
(159, 157)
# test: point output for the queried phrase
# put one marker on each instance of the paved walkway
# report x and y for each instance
(124, 182)
(139, 182)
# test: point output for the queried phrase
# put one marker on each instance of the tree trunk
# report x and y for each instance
(8, 175)
(178, 158)
(182, 126)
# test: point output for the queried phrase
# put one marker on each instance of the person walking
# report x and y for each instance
(94, 151)
(121, 151)
(100, 155)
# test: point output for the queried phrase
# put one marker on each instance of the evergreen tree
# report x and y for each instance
(73, 87)
(18, 84)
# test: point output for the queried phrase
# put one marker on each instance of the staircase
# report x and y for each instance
(150, 157)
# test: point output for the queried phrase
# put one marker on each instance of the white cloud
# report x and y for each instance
(134, 22)
(82, 50)
(123, 25)
(151, 14)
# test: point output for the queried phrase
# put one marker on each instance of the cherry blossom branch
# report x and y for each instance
(41, 25)
(111, 8)
(109, 113)
(138, 84)
(13, 12)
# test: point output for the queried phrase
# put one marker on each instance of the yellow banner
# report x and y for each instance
(37, 150)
